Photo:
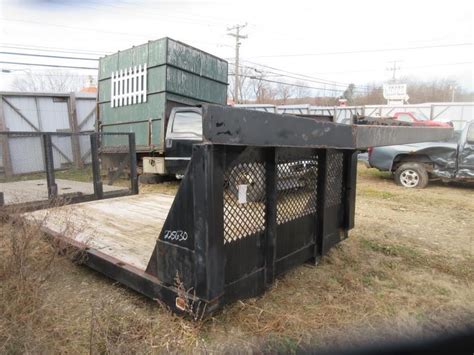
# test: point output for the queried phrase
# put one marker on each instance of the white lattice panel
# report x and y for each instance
(128, 86)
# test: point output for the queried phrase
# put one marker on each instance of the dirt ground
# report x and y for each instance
(406, 271)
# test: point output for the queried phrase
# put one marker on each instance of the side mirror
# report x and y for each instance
(470, 134)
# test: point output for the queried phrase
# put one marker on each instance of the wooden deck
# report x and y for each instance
(125, 228)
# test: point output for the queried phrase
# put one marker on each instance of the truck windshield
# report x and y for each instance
(187, 122)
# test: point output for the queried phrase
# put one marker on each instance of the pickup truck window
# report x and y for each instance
(187, 122)
(405, 117)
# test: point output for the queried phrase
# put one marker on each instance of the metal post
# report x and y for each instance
(320, 204)
(49, 166)
(98, 189)
(133, 164)
(350, 178)
(208, 199)
(2, 199)
(271, 215)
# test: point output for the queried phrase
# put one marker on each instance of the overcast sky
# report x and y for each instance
(345, 41)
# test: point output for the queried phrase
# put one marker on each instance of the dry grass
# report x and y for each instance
(407, 270)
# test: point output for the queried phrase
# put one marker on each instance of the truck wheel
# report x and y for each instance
(253, 177)
(411, 175)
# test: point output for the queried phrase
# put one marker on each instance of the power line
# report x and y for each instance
(48, 65)
(94, 76)
(49, 49)
(405, 67)
(147, 13)
(365, 50)
(95, 30)
(49, 56)
(302, 76)
(289, 84)
(333, 83)
(326, 81)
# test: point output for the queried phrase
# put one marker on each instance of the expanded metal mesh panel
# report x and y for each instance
(335, 161)
(244, 200)
(297, 186)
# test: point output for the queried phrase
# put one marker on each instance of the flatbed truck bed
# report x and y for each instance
(221, 238)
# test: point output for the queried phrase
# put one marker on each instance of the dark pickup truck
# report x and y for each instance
(185, 129)
(413, 165)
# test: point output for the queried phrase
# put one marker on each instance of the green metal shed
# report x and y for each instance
(139, 86)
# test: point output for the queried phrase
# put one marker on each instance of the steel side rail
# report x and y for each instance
(234, 126)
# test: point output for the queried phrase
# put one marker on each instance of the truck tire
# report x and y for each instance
(253, 177)
(411, 175)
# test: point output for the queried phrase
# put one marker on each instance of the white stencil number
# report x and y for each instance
(178, 236)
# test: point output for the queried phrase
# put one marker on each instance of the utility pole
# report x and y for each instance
(394, 69)
(237, 36)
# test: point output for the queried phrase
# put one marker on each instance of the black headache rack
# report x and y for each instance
(262, 194)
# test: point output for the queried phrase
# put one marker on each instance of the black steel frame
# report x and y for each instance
(46, 139)
(194, 268)
(216, 272)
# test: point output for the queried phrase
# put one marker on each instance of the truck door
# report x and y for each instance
(466, 153)
(184, 130)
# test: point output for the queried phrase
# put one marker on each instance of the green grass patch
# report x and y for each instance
(23, 177)
(461, 269)
(84, 175)
(281, 344)
(372, 172)
(394, 250)
(369, 192)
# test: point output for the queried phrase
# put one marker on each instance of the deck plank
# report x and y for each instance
(125, 228)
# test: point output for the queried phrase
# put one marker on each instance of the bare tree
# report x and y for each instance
(372, 95)
(49, 81)
(262, 91)
(245, 88)
(440, 90)
(284, 92)
(302, 92)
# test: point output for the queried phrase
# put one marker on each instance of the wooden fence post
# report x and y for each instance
(75, 142)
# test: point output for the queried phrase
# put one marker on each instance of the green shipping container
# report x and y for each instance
(139, 86)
